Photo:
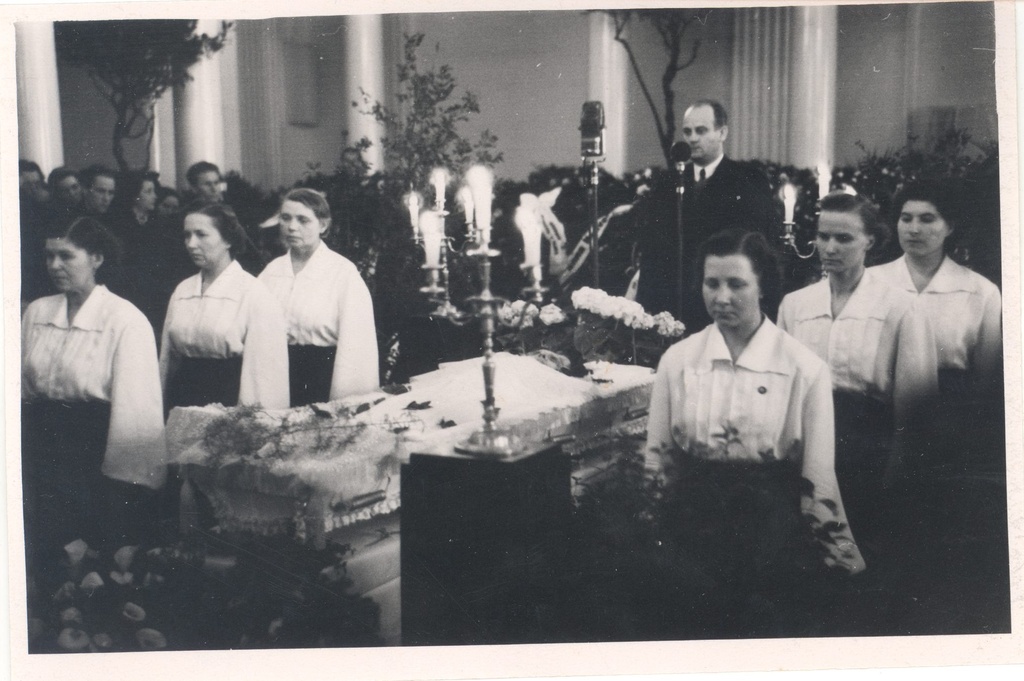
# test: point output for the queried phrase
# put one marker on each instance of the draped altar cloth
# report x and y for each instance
(338, 463)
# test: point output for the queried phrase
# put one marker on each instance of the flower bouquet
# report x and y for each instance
(614, 329)
(599, 327)
(544, 333)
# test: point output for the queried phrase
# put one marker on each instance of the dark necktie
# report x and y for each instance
(698, 186)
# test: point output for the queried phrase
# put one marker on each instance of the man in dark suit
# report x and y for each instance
(718, 193)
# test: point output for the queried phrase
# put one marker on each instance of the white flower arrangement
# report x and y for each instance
(518, 314)
(551, 314)
(629, 312)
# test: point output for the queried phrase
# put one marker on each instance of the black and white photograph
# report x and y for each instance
(439, 340)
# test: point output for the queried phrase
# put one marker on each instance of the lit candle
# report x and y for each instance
(431, 229)
(789, 201)
(465, 198)
(414, 202)
(439, 178)
(529, 225)
(481, 183)
(824, 180)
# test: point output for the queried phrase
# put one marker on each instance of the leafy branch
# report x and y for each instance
(132, 64)
(672, 26)
(422, 131)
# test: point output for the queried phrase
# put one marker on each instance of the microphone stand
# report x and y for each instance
(593, 175)
(680, 190)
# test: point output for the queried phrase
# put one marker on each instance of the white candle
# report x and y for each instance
(789, 201)
(439, 178)
(481, 184)
(431, 229)
(413, 203)
(465, 198)
(529, 225)
(824, 180)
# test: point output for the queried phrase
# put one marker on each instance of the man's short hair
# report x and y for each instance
(87, 176)
(721, 116)
(26, 166)
(197, 169)
(58, 175)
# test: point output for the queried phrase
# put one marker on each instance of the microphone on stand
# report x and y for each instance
(680, 154)
(592, 130)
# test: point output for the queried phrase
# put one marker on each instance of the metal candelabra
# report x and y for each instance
(789, 241)
(491, 441)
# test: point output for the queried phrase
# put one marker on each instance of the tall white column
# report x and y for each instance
(364, 72)
(198, 111)
(760, 84)
(608, 83)
(812, 117)
(39, 127)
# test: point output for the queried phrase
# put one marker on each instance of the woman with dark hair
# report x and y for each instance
(153, 261)
(168, 202)
(964, 308)
(743, 402)
(881, 353)
(224, 339)
(92, 415)
(332, 341)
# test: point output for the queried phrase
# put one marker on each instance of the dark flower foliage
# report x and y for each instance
(217, 593)
(721, 551)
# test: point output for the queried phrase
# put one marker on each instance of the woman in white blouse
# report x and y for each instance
(92, 415)
(880, 350)
(741, 395)
(963, 307)
(224, 338)
(332, 341)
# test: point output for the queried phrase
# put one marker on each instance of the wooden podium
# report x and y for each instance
(483, 545)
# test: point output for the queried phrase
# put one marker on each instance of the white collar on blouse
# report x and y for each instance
(949, 278)
(224, 281)
(88, 317)
(866, 301)
(762, 354)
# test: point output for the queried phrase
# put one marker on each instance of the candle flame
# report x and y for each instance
(439, 178)
(465, 198)
(481, 182)
(788, 193)
(413, 202)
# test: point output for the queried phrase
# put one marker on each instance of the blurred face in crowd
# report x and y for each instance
(699, 131)
(208, 186)
(72, 269)
(922, 229)
(100, 194)
(301, 229)
(31, 185)
(732, 293)
(146, 200)
(168, 206)
(68, 191)
(209, 251)
(842, 241)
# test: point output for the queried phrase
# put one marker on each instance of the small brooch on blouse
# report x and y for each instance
(762, 390)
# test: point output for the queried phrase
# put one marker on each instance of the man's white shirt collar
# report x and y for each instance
(709, 169)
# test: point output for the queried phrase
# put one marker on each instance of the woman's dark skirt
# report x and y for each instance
(66, 497)
(864, 445)
(310, 369)
(199, 381)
